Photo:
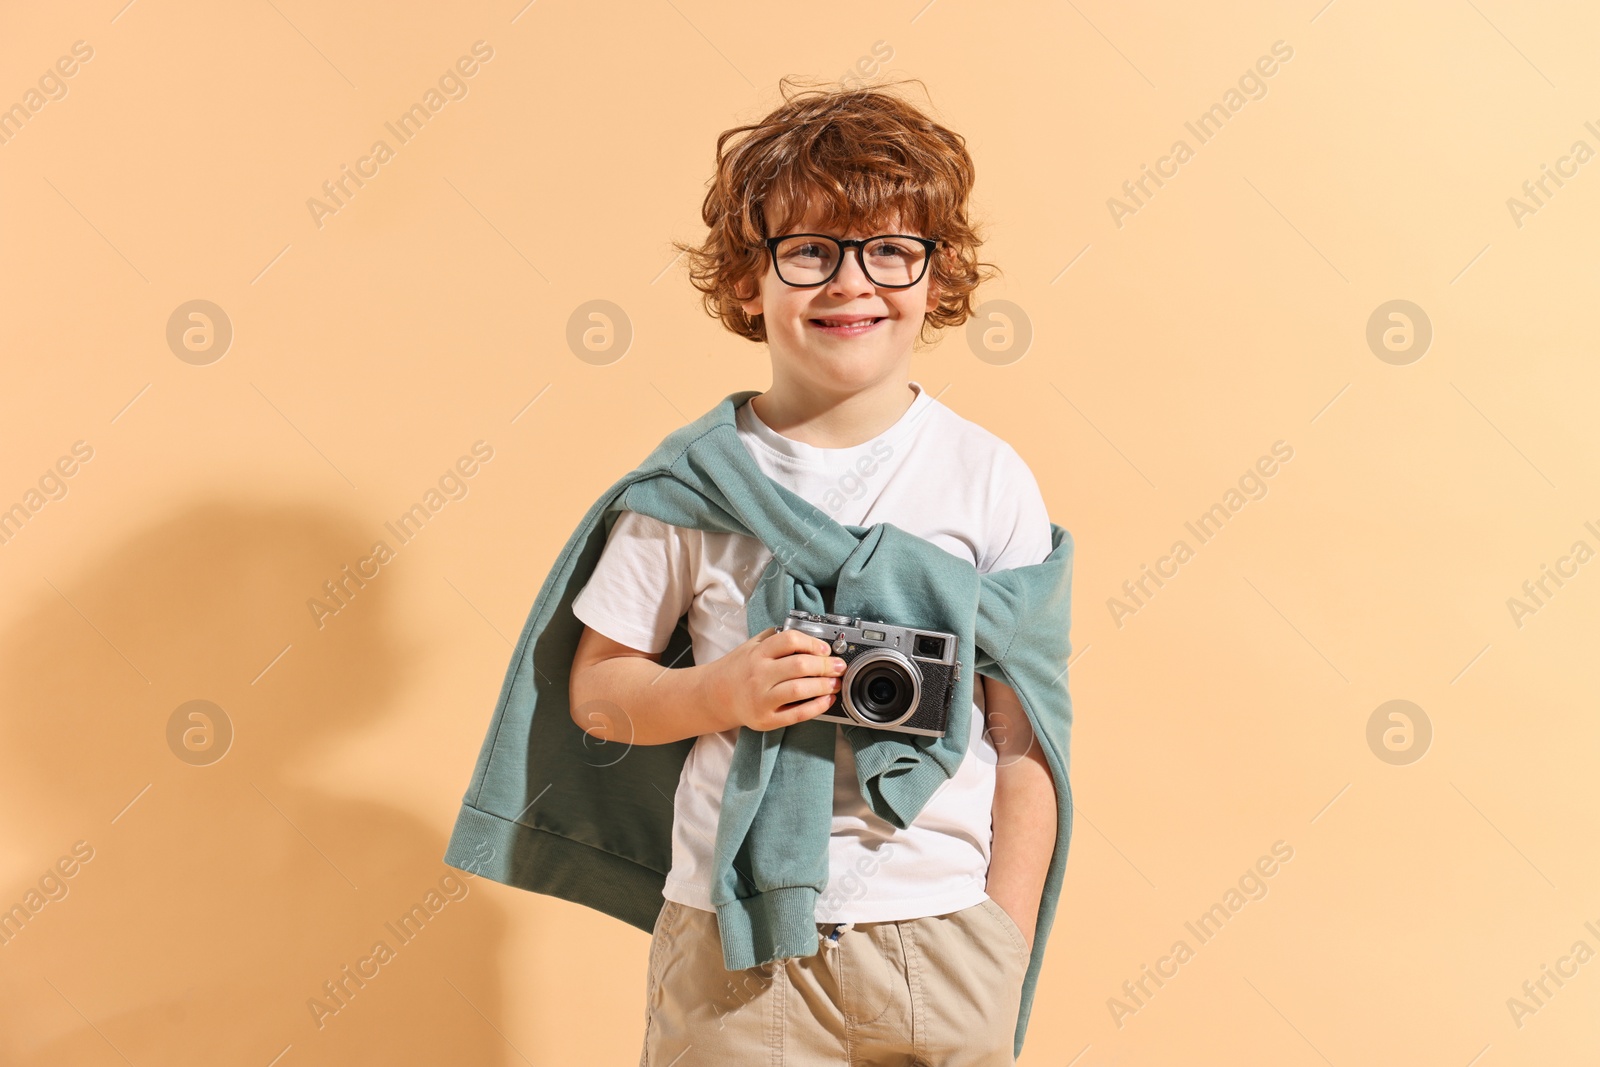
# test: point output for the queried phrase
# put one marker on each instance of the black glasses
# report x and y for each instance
(890, 261)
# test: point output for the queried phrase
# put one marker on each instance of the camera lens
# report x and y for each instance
(882, 692)
(882, 688)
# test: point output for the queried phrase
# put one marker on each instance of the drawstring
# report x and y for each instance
(838, 929)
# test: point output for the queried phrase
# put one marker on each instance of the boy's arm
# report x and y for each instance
(776, 678)
(640, 587)
(620, 693)
(1024, 810)
(1024, 813)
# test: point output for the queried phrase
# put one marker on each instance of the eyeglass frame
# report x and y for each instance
(928, 244)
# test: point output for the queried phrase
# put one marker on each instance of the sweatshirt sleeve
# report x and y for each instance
(640, 586)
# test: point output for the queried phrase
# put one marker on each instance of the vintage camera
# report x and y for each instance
(896, 678)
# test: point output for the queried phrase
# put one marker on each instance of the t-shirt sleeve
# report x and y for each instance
(640, 586)
(1020, 532)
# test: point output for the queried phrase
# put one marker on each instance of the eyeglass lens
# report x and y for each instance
(887, 261)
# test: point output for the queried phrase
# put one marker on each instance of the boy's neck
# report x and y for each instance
(833, 420)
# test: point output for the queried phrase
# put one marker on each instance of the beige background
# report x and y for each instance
(1228, 313)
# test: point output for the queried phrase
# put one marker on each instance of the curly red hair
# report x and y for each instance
(861, 155)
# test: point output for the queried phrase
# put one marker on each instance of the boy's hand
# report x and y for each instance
(776, 678)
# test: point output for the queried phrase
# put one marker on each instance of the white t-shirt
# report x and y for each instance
(933, 474)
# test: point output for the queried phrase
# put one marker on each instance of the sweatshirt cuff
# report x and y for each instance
(777, 924)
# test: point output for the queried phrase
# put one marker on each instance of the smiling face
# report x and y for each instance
(834, 359)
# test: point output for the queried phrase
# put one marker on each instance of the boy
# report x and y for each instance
(926, 931)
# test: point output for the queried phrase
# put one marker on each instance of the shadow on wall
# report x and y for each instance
(210, 906)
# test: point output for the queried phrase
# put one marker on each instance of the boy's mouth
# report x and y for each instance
(847, 325)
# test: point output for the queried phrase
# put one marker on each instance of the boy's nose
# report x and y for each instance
(851, 277)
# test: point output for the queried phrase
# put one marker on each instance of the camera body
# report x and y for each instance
(896, 678)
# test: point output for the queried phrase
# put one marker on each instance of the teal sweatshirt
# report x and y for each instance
(552, 810)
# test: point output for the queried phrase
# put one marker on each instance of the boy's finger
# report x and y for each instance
(802, 665)
(811, 708)
(788, 642)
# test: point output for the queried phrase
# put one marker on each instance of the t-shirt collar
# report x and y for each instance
(750, 423)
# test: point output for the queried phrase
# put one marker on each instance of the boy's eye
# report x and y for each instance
(892, 250)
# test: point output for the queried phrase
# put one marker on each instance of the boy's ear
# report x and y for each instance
(750, 304)
(933, 283)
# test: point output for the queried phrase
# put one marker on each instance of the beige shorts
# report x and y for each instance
(938, 991)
